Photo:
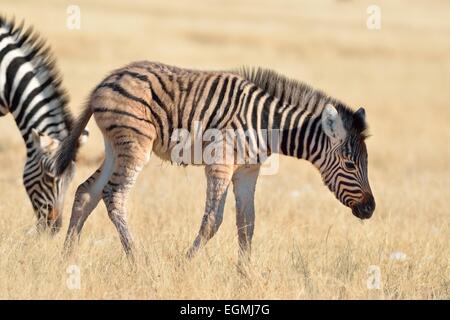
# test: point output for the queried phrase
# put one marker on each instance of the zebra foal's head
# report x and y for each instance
(344, 163)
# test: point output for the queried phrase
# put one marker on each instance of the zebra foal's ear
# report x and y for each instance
(361, 114)
(43, 141)
(332, 123)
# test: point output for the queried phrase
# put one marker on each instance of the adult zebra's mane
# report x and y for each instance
(300, 94)
(39, 54)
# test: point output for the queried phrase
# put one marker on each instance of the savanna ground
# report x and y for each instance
(306, 244)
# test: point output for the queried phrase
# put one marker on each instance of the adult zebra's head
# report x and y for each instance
(344, 169)
(31, 90)
(46, 190)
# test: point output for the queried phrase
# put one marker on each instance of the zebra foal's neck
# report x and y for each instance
(30, 86)
(294, 109)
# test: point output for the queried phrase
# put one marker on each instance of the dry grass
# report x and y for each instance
(306, 245)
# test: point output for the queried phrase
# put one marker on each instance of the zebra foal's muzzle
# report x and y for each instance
(365, 208)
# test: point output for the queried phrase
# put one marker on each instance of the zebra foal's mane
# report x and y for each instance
(300, 94)
(38, 53)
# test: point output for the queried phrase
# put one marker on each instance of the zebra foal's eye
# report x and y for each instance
(349, 165)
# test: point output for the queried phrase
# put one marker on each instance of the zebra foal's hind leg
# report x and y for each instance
(218, 179)
(87, 197)
(132, 152)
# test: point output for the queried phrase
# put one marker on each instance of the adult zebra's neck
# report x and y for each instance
(30, 86)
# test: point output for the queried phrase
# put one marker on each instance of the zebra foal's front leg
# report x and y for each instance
(218, 178)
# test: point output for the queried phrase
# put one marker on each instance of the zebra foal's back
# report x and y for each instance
(166, 98)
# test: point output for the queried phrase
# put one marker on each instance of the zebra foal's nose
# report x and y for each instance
(367, 206)
(369, 203)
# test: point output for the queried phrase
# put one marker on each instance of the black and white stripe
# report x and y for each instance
(253, 100)
(300, 115)
(30, 89)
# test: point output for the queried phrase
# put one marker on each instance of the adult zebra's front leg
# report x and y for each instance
(218, 179)
(244, 183)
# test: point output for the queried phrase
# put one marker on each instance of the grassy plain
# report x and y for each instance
(306, 244)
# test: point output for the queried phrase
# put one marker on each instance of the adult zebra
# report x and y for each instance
(138, 108)
(30, 89)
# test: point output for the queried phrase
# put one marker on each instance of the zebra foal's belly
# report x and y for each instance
(201, 153)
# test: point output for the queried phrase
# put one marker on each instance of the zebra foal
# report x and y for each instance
(139, 107)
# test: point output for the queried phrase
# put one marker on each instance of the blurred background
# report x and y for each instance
(400, 73)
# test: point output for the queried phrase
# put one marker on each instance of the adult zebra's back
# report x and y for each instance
(141, 107)
(30, 89)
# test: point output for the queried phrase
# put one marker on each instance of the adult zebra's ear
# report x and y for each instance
(43, 141)
(332, 124)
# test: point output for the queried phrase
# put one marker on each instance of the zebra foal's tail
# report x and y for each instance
(68, 149)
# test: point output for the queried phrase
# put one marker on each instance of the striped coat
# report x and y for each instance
(139, 109)
(30, 89)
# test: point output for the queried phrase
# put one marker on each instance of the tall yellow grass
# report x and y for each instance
(306, 245)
